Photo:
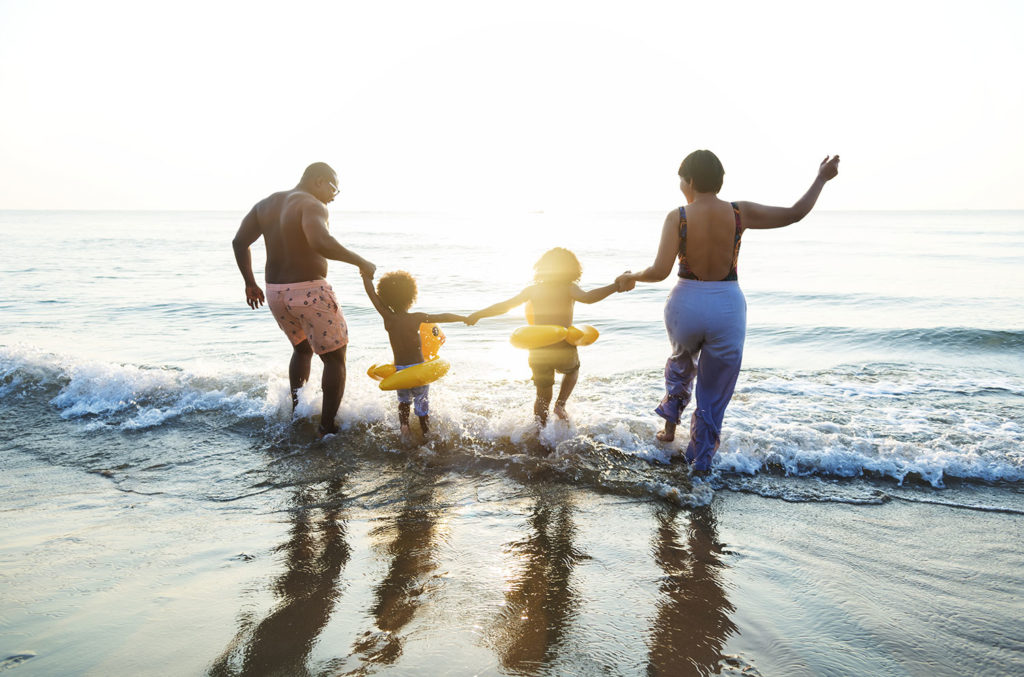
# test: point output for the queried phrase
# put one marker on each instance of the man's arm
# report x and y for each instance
(499, 308)
(314, 227)
(374, 298)
(248, 233)
(760, 216)
(594, 295)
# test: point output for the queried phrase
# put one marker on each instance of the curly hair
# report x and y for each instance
(397, 290)
(557, 265)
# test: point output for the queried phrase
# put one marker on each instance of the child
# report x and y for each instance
(393, 297)
(552, 296)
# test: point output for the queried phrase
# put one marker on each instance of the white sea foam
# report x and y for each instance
(815, 424)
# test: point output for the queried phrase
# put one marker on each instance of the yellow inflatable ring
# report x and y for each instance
(582, 336)
(417, 375)
(379, 372)
(540, 335)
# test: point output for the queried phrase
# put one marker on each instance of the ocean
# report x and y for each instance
(883, 369)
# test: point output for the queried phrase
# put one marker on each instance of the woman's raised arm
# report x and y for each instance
(754, 215)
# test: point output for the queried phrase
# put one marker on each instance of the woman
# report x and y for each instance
(706, 313)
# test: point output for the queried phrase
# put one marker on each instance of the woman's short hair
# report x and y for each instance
(705, 170)
(557, 265)
(397, 290)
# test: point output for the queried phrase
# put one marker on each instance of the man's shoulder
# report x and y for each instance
(290, 197)
(289, 205)
(300, 199)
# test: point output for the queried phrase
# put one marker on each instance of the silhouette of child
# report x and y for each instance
(552, 297)
(395, 293)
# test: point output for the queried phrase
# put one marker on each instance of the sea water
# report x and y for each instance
(880, 345)
(165, 513)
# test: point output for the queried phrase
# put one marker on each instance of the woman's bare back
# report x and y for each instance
(710, 238)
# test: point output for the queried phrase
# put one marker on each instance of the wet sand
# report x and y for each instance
(399, 567)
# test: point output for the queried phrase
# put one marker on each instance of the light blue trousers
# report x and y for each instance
(706, 324)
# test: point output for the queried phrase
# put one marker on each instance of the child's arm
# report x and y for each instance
(444, 317)
(374, 299)
(500, 308)
(594, 295)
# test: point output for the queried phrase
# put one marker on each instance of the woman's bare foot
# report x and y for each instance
(559, 410)
(668, 434)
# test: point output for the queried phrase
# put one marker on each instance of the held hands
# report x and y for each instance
(367, 269)
(829, 168)
(472, 319)
(254, 296)
(625, 282)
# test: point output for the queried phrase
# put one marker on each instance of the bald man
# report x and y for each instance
(293, 224)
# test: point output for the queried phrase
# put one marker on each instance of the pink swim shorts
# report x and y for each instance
(309, 310)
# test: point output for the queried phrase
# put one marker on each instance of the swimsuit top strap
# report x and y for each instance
(684, 268)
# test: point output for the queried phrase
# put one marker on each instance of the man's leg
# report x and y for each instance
(298, 369)
(333, 386)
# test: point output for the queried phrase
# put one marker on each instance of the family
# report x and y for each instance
(705, 314)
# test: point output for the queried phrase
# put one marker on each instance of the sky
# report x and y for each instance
(479, 106)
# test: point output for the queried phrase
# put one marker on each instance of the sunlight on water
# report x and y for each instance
(154, 471)
(156, 330)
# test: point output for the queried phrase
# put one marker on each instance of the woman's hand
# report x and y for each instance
(829, 168)
(625, 282)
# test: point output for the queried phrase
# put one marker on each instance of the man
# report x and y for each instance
(293, 224)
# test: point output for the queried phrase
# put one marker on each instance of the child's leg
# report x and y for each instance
(403, 416)
(544, 379)
(543, 401)
(421, 406)
(565, 390)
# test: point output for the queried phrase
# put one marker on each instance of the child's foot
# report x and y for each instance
(668, 434)
(559, 410)
(322, 431)
(406, 436)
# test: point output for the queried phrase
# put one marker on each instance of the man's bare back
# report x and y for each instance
(290, 257)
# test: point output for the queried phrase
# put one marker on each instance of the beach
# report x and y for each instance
(377, 564)
(165, 513)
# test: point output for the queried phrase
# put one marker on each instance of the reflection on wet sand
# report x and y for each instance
(693, 621)
(540, 603)
(314, 555)
(410, 575)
